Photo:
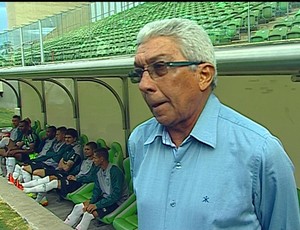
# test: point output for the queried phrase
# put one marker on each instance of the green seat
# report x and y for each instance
(283, 8)
(42, 134)
(294, 32)
(83, 139)
(278, 33)
(101, 143)
(253, 21)
(231, 29)
(282, 24)
(108, 219)
(116, 154)
(36, 127)
(82, 194)
(127, 220)
(267, 13)
(260, 36)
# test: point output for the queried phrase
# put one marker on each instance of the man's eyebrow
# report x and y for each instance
(153, 59)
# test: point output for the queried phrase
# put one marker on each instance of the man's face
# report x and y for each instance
(15, 122)
(23, 127)
(175, 97)
(50, 134)
(97, 160)
(69, 139)
(88, 151)
(60, 136)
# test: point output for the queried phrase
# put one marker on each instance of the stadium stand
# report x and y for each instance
(226, 22)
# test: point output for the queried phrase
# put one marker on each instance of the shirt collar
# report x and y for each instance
(205, 129)
(158, 131)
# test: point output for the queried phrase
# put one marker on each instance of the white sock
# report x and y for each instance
(85, 221)
(20, 178)
(4, 142)
(10, 164)
(74, 216)
(36, 180)
(17, 171)
(45, 187)
(26, 175)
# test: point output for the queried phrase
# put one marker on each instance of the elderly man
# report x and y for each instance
(198, 164)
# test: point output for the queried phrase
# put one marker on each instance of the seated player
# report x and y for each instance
(109, 192)
(21, 150)
(70, 183)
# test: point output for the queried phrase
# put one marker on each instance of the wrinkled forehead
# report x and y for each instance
(157, 48)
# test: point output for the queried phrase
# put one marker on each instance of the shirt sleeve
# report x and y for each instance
(97, 191)
(89, 177)
(275, 195)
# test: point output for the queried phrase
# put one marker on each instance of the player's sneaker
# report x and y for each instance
(32, 195)
(10, 179)
(18, 184)
(44, 201)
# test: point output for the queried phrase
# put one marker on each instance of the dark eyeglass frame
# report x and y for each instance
(158, 69)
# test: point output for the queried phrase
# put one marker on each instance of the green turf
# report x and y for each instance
(10, 219)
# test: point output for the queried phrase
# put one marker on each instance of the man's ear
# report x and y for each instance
(206, 73)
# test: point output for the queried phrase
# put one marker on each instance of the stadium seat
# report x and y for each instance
(232, 29)
(253, 21)
(116, 154)
(278, 33)
(42, 134)
(127, 220)
(36, 127)
(83, 139)
(101, 143)
(295, 23)
(282, 24)
(260, 36)
(283, 8)
(267, 13)
(82, 194)
(297, 16)
(293, 33)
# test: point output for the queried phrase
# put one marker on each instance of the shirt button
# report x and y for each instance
(178, 165)
(173, 203)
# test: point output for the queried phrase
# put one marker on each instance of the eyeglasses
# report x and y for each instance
(157, 69)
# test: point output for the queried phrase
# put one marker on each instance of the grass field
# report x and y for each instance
(10, 220)
(5, 117)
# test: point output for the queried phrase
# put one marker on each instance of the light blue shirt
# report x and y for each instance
(229, 173)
